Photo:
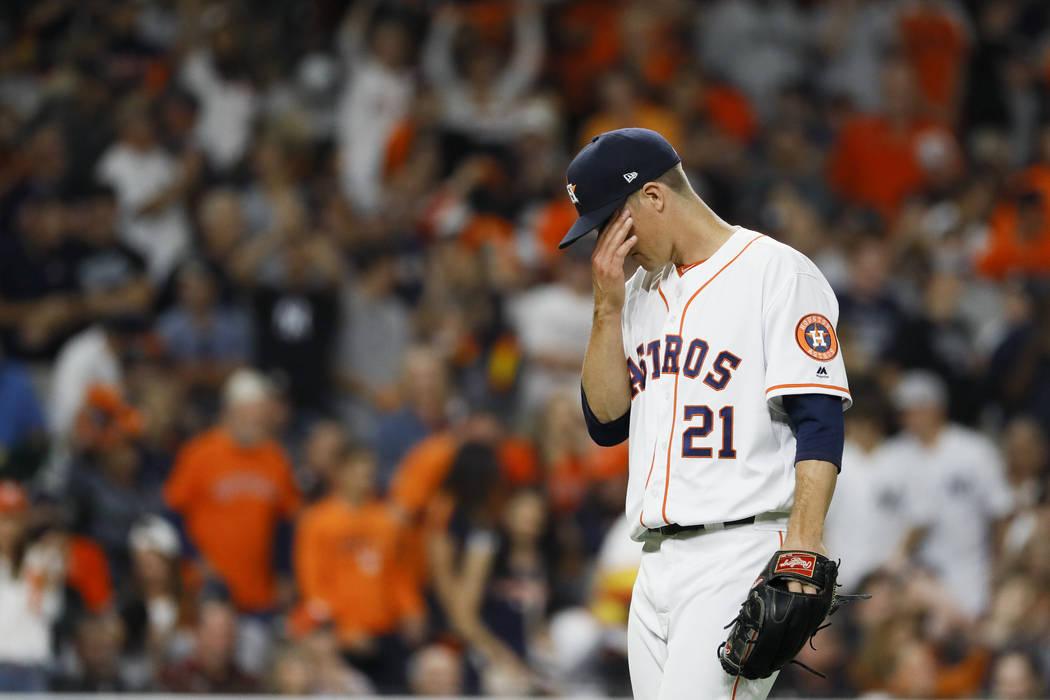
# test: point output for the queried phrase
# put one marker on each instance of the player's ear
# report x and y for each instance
(654, 195)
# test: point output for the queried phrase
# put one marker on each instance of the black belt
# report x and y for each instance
(675, 528)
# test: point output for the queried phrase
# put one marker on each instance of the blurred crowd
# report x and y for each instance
(289, 379)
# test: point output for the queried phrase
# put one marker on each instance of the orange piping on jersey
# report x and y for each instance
(843, 389)
(674, 413)
(735, 684)
(651, 463)
(663, 297)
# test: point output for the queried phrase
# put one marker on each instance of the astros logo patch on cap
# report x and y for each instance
(816, 337)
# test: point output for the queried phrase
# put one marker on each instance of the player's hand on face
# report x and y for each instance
(614, 243)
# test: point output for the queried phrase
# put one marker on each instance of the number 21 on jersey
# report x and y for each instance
(704, 420)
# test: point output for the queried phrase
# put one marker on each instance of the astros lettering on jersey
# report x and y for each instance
(710, 441)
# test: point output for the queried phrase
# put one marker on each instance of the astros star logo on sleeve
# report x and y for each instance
(816, 337)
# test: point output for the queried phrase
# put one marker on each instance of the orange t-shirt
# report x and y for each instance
(416, 483)
(349, 558)
(422, 472)
(730, 112)
(935, 43)
(594, 46)
(1005, 252)
(647, 116)
(231, 499)
(873, 164)
(87, 572)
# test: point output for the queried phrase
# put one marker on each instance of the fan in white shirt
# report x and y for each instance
(150, 186)
(956, 492)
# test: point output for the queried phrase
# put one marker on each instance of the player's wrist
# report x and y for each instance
(806, 543)
(607, 311)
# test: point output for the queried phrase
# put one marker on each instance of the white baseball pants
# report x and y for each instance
(689, 586)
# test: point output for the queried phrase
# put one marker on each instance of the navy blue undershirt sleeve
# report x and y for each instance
(605, 434)
(819, 429)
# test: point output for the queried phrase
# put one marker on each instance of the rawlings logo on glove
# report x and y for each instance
(796, 563)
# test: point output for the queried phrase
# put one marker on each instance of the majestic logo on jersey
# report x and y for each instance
(795, 563)
(571, 189)
(822, 372)
(816, 337)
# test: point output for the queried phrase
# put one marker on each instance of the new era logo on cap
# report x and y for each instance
(608, 169)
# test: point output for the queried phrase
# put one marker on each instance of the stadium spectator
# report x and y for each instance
(103, 488)
(215, 70)
(295, 313)
(210, 667)
(98, 641)
(221, 227)
(1027, 456)
(39, 308)
(423, 395)
(205, 340)
(347, 552)
(150, 186)
(483, 99)
(152, 603)
(377, 331)
(22, 425)
(436, 670)
(1015, 675)
(233, 486)
(958, 494)
(110, 276)
(323, 447)
(462, 555)
(553, 322)
(31, 579)
(935, 38)
(869, 313)
(376, 98)
(92, 357)
(780, 30)
(880, 160)
(1018, 240)
(622, 105)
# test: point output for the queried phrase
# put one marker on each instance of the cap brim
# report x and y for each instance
(589, 222)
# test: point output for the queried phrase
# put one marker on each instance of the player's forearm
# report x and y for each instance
(814, 486)
(605, 369)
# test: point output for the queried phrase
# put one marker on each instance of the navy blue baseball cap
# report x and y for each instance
(608, 170)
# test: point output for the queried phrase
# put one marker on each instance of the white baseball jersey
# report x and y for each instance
(711, 349)
(957, 488)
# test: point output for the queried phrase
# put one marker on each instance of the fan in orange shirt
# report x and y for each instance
(1018, 239)
(233, 485)
(880, 160)
(347, 563)
(622, 106)
(934, 38)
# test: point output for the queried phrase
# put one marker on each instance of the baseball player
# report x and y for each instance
(719, 360)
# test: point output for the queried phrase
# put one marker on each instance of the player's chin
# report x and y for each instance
(640, 260)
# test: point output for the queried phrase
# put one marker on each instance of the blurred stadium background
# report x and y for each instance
(289, 393)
